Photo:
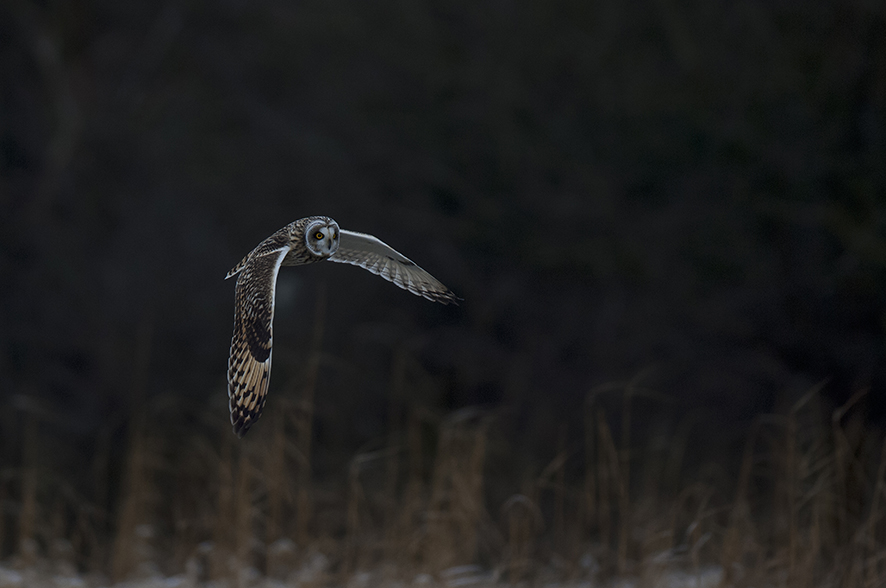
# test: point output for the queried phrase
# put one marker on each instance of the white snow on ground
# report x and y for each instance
(470, 576)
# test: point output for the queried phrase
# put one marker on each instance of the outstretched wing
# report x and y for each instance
(381, 259)
(249, 365)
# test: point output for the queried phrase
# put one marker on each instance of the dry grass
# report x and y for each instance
(803, 508)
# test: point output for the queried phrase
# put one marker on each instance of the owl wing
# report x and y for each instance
(381, 259)
(249, 365)
(237, 268)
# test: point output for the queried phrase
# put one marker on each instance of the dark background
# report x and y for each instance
(685, 194)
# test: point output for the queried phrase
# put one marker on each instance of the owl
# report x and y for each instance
(311, 239)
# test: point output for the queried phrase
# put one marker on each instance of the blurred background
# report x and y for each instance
(666, 220)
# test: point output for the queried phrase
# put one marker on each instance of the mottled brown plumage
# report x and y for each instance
(304, 241)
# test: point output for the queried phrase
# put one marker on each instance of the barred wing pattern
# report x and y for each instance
(304, 241)
(249, 364)
(381, 259)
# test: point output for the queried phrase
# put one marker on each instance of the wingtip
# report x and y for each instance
(241, 428)
(240, 423)
(447, 298)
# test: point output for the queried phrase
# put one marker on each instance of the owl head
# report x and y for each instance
(322, 236)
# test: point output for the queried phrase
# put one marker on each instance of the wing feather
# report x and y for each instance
(237, 268)
(383, 260)
(249, 364)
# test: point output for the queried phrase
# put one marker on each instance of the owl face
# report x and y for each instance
(322, 237)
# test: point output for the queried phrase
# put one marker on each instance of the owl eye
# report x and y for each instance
(318, 235)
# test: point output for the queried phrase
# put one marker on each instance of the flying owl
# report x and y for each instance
(311, 239)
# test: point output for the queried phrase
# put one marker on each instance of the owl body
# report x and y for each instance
(308, 240)
(292, 236)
